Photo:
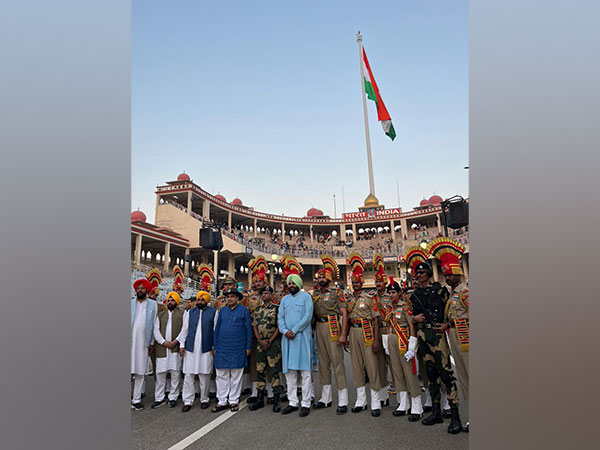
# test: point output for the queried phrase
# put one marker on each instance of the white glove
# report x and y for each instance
(409, 355)
(412, 344)
(384, 342)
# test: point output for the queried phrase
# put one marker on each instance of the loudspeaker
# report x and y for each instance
(210, 239)
(458, 215)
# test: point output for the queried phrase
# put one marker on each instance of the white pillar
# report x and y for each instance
(405, 230)
(229, 220)
(342, 232)
(206, 209)
(186, 264)
(354, 235)
(167, 257)
(282, 232)
(138, 250)
(255, 228)
(189, 203)
(231, 266)
(271, 277)
(436, 273)
(311, 234)
(215, 262)
(439, 223)
(393, 231)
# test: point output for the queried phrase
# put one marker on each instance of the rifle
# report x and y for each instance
(428, 316)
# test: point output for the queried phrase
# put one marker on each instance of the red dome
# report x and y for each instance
(236, 202)
(138, 216)
(424, 202)
(183, 177)
(313, 212)
(220, 197)
(435, 199)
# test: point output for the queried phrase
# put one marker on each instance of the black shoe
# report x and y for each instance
(321, 405)
(455, 426)
(446, 413)
(158, 404)
(251, 400)
(466, 427)
(276, 403)
(137, 406)
(358, 409)
(398, 413)
(259, 401)
(284, 398)
(269, 400)
(212, 395)
(427, 409)
(435, 417)
(414, 417)
(186, 408)
(289, 409)
(304, 411)
(341, 410)
(385, 403)
(172, 403)
(375, 412)
(247, 391)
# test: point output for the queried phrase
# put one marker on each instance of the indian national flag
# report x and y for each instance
(372, 92)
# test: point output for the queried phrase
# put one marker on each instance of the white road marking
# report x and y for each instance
(205, 429)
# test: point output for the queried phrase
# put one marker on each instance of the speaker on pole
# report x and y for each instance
(458, 214)
(210, 239)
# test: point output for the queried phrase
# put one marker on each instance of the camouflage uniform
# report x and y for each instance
(268, 362)
(252, 302)
(458, 308)
(433, 347)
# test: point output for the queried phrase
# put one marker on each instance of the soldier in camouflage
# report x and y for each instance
(268, 350)
(429, 301)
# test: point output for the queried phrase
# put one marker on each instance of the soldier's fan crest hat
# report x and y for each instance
(379, 266)
(330, 269)
(358, 266)
(448, 252)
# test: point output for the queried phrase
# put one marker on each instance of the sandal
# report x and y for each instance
(219, 408)
(235, 408)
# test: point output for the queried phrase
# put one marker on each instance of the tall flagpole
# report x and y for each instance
(364, 99)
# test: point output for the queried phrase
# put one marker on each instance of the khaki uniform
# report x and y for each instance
(402, 371)
(327, 306)
(383, 360)
(362, 356)
(458, 308)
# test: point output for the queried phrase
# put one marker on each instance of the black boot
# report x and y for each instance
(260, 401)
(435, 417)
(276, 402)
(455, 426)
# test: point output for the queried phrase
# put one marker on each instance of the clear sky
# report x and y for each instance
(261, 100)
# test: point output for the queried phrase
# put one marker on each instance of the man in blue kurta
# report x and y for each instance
(295, 314)
(232, 345)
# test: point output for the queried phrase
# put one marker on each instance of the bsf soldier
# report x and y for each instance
(329, 307)
(428, 303)
(258, 266)
(402, 344)
(449, 252)
(268, 350)
(364, 339)
(382, 298)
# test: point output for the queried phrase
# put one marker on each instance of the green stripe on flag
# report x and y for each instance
(370, 91)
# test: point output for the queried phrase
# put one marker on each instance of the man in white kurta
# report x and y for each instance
(198, 323)
(167, 330)
(143, 313)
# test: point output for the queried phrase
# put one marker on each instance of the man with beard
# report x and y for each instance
(197, 338)
(232, 345)
(449, 252)
(268, 352)
(329, 307)
(364, 339)
(143, 313)
(167, 329)
(295, 315)
(428, 304)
